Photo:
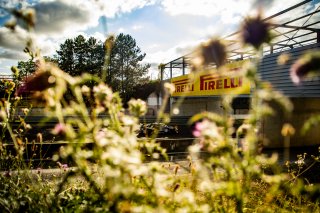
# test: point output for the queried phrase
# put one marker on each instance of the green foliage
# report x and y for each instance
(7, 87)
(80, 55)
(142, 91)
(19, 193)
(26, 68)
(125, 69)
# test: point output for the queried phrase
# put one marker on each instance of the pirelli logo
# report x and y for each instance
(209, 82)
(213, 83)
(184, 85)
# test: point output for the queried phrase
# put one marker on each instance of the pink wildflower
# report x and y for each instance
(307, 66)
(59, 129)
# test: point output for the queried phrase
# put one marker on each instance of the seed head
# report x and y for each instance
(39, 138)
(255, 31)
(176, 169)
(176, 187)
(213, 51)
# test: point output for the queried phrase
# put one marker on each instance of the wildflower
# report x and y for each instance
(155, 155)
(27, 126)
(25, 111)
(137, 107)
(307, 66)
(19, 141)
(85, 90)
(9, 86)
(197, 130)
(287, 130)
(213, 51)
(103, 93)
(187, 196)
(39, 81)
(62, 166)
(29, 16)
(59, 129)
(7, 174)
(11, 24)
(15, 71)
(283, 59)
(101, 138)
(39, 138)
(255, 31)
(206, 129)
(109, 42)
(243, 130)
(127, 120)
(300, 162)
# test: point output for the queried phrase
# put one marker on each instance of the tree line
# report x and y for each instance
(125, 72)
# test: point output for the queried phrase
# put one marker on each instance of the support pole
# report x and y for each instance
(183, 66)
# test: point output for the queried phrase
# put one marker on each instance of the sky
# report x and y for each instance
(163, 29)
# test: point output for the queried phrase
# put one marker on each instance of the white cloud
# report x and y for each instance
(164, 56)
(99, 36)
(137, 27)
(13, 39)
(121, 30)
(152, 46)
(60, 17)
(47, 46)
(227, 11)
(209, 8)
(10, 54)
(111, 8)
(13, 43)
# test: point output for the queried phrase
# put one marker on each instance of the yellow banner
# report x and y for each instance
(212, 83)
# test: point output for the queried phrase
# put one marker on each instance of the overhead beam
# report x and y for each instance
(288, 9)
(296, 27)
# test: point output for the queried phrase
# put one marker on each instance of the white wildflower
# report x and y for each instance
(137, 107)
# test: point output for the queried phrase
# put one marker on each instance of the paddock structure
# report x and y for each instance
(295, 34)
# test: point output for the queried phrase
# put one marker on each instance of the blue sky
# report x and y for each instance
(163, 29)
